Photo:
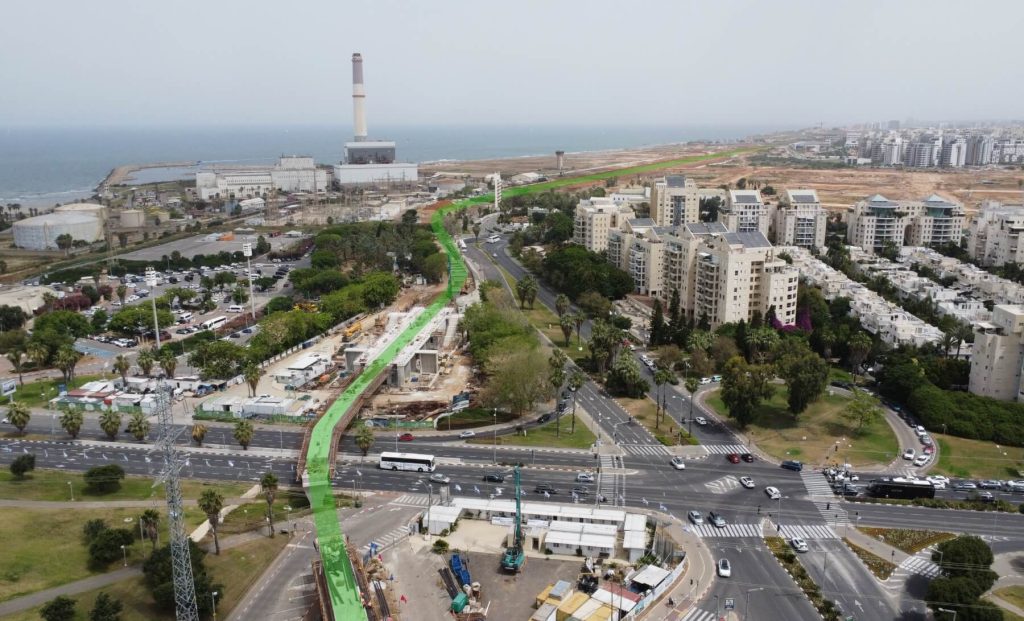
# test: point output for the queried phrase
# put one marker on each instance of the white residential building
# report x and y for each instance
(631, 196)
(878, 221)
(746, 212)
(993, 236)
(979, 150)
(595, 218)
(998, 354)
(637, 248)
(675, 200)
(800, 221)
(726, 276)
(954, 152)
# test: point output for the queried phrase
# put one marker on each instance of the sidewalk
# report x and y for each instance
(876, 547)
(208, 449)
(696, 579)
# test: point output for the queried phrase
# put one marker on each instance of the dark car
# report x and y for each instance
(989, 484)
(747, 457)
(544, 418)
(494, 478)
(734, 458)
(544, 488)
(790, 464)
(405, 437)
(581, 490)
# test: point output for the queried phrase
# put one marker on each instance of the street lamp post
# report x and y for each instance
(72, 488)
(494, 438)
(247, 251)
(746, 606)
(151, 283)
(213, 603)
(124, 551)
(950, 611)
(288, 515)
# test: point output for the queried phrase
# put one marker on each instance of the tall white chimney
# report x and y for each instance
(358, 98)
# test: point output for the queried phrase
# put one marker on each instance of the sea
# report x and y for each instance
(42, 166)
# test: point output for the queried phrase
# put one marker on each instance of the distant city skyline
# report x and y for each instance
(258, 62)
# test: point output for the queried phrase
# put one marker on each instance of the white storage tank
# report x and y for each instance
(93, 209)
(41, 232)
(133, 218)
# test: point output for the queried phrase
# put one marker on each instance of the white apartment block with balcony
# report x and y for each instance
(888, 321)
(637, 248)
(934, 220)
(675, 200)
(595, 218)
(746, 212)
(738, 275)
(998, 354)
(993, 236)
(631, 196)
(678, 260)
(800, 221)
(878, 221)
(875, 222)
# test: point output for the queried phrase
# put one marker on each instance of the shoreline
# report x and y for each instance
(120, 174)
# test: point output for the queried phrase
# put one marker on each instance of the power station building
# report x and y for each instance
(297, 173)
(369, 161)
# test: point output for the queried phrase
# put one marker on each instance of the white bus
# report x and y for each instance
(407, 461)
(213, 324)
(493, 239)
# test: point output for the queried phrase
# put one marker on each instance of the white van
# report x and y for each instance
(236, 308)
(185, 317)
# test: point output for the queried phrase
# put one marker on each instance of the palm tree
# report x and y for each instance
(199, 433)
(268, 484)
(244, 433)
(110, 423)
(19, 415)
(579, 318)
(146, 360)
(565, 323)
(962, 332)
(122, 365)
(122, 293)
(828, 339)
(150, 521)
(561, 304)
(211, 503)
(526, 290)
(476, 231)
(661, 377)
(71, 421)
(576, 380)
(857, 351)
(38, 354)
(168, 362)
(364, 438)
(17, 360)
(138, 426)
(946, 342)
(691, 387)
(251, 374)
(66, 360)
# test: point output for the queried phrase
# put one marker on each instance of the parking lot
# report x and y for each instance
(202, 244)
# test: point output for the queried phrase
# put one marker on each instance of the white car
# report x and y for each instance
(694, 516)
(437, 477)
(798, 544)
(700, 420)
(584, 477)
(938, 482)
(747, 482)
(773, 492)
(678, 463)
(705, 380)
(909, 454)
(467, 434)
(922, 460)
(724, 568)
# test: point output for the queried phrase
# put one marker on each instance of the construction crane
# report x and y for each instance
(514, 557)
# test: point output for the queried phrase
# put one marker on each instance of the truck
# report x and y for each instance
(352, 330)
(514, 557)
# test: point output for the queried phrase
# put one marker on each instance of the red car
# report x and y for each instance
(405, 437)
(733, 458)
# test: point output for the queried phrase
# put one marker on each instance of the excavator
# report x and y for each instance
(514, 558)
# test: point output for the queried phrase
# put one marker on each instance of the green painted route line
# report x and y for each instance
(344, 590)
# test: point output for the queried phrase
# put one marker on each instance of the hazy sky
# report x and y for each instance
(544, 62)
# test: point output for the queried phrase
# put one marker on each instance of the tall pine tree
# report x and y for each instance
(658, 328)
(675, 320)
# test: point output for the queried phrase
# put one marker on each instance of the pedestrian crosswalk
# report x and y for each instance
(808, 531)
(922, 565)
(725, 449)
(645, 449)
(816, 484)
(729, 530)
(385, 540)
(611, 484)
(412, 500)
(698, 614)
(820, 493)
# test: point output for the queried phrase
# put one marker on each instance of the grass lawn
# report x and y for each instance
(960, 457)
(472, 417)
(544, 435)
(36, 394)
(43, 548)
(236, 569)
(645, 412)
(52, 485)
(910, 541)
(876, 564)
(545, 320)
(1014, 595)
(812, 436)
(253, 514)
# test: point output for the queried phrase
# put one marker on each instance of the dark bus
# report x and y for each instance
(906, 490)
